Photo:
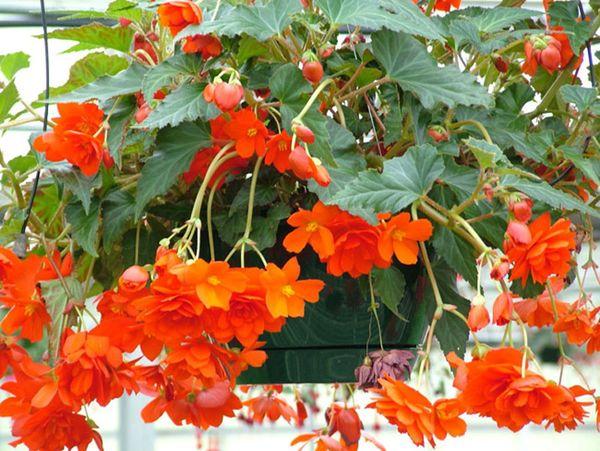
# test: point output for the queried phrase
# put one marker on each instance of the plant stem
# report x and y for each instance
(365, 88)
(211, 195)
(373, 308)
(474, 123)
(312, 99)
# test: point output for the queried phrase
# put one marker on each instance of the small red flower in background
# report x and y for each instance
(207, 45)
(400, 237)
(548, 253)
(446, 5)
(286, 294)
(248, 131)
(77, 137)
(177, 15)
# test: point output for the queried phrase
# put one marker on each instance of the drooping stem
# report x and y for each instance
(211, 196)
(312, 99)
(373, 308)
(250, 211)
(476, 124)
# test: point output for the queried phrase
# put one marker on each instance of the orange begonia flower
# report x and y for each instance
(311, 228)
(177, 15)
(478, 318)
(548, 253)
(400, 236)
(214, 282)
(577, 323)
(446, 414)
(206, 45)
(593, 344)
(247, 317)
(446, 5)
(346, 421)
(285, 293)
(77, 137)
(503, 309)
(539, 312)
(271, 406)
(249, 133)
(278, 151)
(406, 408)
(570, 410)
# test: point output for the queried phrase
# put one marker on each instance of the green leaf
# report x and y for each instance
(408, 63)
(491, 20)
(119, 122)
(264, 195)
(543, 192)
(565, 14)
(95, 35)
(457, 253)
(12, 63)
(260, 20)
(462, 180)
(487, 154)
(250, 48)
(395, 15)
(80, 185)
(8, 97)
(186, 103)
(56, 299)
(264, 228)
(88, 69)
(166, 72)
(118, 209)
(176, 148)
(403, 180)
(451, 331)
(389, 285)
(582, 98)
(84, 225)
(116, 9)
(125, 82)
(288, 85)
(589, 166)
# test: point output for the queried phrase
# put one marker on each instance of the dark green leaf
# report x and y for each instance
(264, 195)
(288, 85)
(84, 225)
(166, 72)
(176, 147)
(80, 185)
(184, 104)
(118, 209)
(95, 35)
(407, 62)
(389, 285)
(125, 82)
(264, 228)
(260, 21)
(457, 253)
(451, 331)
(12, 63)
(589, 166)
(119, 122)
(395, 15)
(403, 180)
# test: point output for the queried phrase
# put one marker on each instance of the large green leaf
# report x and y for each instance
(84, 225)
(90, 68)
(176, 147)
(288, 85)
(127, 81)
(118, 209)
(543, 192)
(120, 119)
(389, 285)
(407, 62)
(582, 98)
(589, 166)
(95, 35)
(403, 180)
(261, 20)
(8, 97)
(80, 185)
(166, 72)
(12, 63)
(451, 331)
(457, 253)
(184, 104)
(396, 15)
(56, 298)
(491, 20)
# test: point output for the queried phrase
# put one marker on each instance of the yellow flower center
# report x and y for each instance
(288, 291)
(252, 132)
(312, 226)
(214, 281)
(282, 146)
(398, 235)
(29, 309)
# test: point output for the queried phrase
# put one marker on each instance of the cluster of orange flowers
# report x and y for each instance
(349, 244)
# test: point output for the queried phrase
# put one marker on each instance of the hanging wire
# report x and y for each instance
(590, 57)
(21, 242)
